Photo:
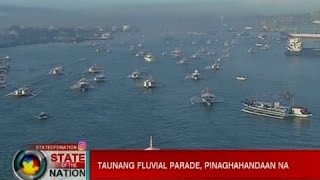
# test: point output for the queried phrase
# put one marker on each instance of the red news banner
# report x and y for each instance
(204, 164)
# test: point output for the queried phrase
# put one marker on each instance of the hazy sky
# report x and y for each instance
(262, 6)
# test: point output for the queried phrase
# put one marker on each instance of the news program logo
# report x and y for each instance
(29, 165)
(82, 145)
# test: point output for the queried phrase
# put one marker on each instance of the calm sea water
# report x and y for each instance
(121, 114)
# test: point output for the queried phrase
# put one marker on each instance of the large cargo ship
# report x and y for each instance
(294, 48)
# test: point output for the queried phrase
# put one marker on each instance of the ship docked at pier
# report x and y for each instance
(295, 48)
(274, 109)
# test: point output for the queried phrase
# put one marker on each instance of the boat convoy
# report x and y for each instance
(262, 108)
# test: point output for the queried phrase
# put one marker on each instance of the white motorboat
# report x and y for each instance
(241, 78)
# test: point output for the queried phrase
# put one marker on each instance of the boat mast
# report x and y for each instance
(150, 142)
(292, 101)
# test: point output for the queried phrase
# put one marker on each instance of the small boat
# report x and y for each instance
(5, 58)
(100, 78)
(24, 91)
(195, 75)
(149, 57)
(183, 61)
(151, 148)
(250, 50)
(94, 69)
(265, 47)
(132, 48)
(206, 97)
(140, 54)
(149, 83)
(135, 74)
(43, 115)
(83, 84)
(57, 71)
(299, 111)
(195, 56)
(214, 66)
(176, 51)
(241, 78)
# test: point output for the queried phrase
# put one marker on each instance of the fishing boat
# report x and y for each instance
(43, 115)
(176, 54)
(5, 58)
(250, 50)
(149, 83)
(183, 61)
(214, 66)
(132, 48)
(194, 76)
(140, 54)
(149, 57)
(206, 97)
(195, 56)
(24, 91)
(100, 78)
(83, 84)
(135, 74)
(57, 70)
(94, 69)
